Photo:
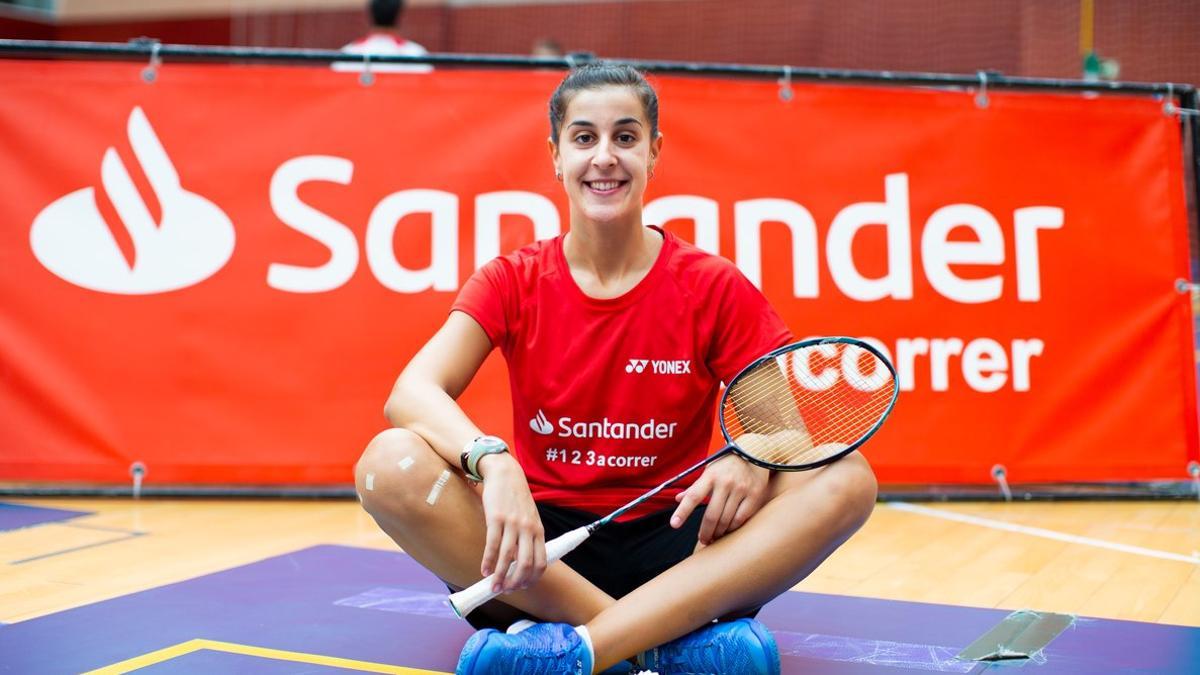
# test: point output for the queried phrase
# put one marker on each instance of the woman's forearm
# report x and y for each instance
(429, 411)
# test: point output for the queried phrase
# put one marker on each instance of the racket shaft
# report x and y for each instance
(465, 601)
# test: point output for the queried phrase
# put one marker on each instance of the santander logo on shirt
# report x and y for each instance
(190, 242)
(568, 427)
(541, 425)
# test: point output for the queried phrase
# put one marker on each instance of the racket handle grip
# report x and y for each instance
(465, 601)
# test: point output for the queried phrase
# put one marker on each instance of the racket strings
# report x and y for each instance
(750, 404)
(812, 440)
(820, 448)
(856, 411)
(771, 400)
(780, 381)
(810, 444)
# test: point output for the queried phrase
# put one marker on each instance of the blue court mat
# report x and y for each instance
(16, 516)
(331, 609)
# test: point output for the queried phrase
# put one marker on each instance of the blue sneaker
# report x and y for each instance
(737, 647)
(544, 649)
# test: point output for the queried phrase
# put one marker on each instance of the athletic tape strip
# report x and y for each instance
(437, 487)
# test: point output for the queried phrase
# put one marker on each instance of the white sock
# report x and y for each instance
(587, 640)
(520, 626)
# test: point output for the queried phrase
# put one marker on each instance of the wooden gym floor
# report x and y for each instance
(1137, 561)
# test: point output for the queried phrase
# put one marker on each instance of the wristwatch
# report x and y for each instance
(476, 449)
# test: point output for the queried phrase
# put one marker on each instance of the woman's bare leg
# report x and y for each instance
(772, 552)
(807, 516)
(394, 478)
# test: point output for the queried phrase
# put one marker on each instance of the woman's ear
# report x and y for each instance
(655, 149)
(553, 148)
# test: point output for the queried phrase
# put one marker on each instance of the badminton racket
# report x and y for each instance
(799, 407)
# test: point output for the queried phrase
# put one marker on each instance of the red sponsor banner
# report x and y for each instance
(220, 273)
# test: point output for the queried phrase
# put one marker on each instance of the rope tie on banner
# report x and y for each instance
(137, 471)
(150, 72)
(785, 85)
(366, 78)
(1000, 475)
(1170, 108)
(1193, 469)
(981, 97)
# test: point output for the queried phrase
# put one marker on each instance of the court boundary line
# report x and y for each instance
(199, 644)
(101, 528)
(51, 554)
(1193, 559)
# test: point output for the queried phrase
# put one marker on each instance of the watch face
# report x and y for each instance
(491, 442)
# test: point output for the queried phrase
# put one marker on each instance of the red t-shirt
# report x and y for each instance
(612, 397)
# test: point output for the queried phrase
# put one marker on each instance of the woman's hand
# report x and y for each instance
(514, 529)
(735, 489)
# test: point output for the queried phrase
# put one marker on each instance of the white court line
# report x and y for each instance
(1045, 534)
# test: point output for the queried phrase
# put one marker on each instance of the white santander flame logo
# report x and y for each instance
(193, 240)
(540, 424)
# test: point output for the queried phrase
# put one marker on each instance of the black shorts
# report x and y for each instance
(618, 558)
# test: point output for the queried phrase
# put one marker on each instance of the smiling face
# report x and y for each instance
(605, 152)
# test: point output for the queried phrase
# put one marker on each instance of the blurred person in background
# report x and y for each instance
(384, 39)
(546, 47)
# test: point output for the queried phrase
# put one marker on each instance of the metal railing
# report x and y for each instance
(152, 49)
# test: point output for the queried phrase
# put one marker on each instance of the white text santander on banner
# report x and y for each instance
(938, 254)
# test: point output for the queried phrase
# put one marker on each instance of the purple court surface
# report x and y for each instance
(16, 516)
(337, 609)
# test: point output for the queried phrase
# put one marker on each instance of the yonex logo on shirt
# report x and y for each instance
(660, 367)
